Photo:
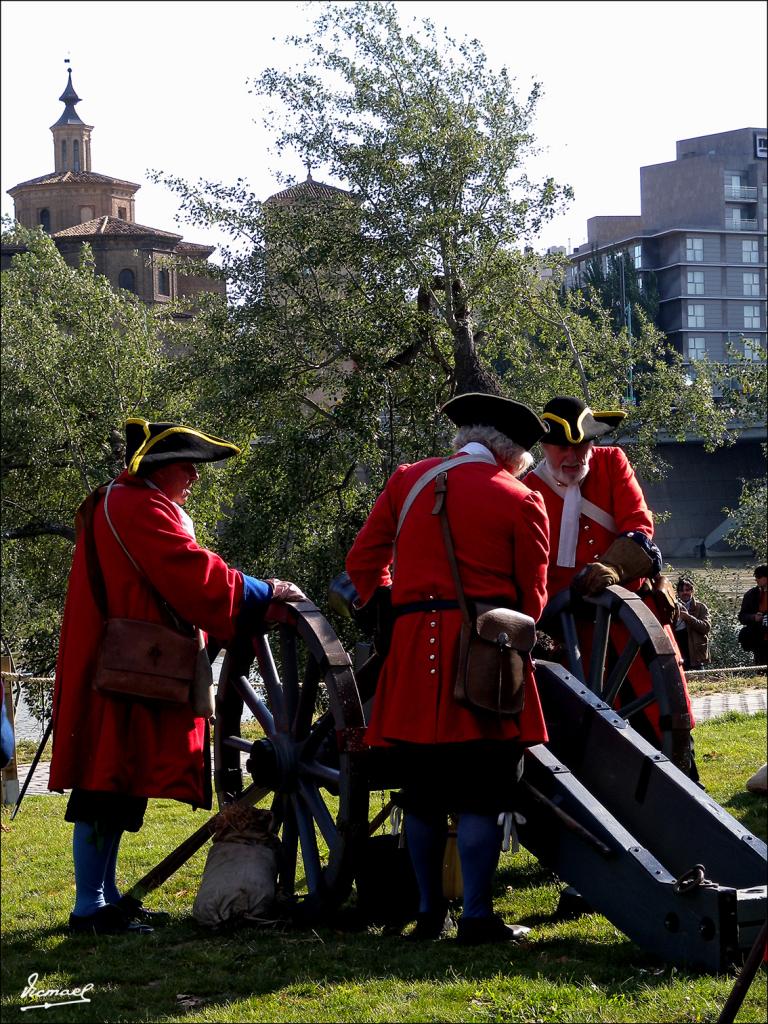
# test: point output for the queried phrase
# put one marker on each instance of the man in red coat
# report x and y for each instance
(113, 752)
(601, 527)
(458, 760)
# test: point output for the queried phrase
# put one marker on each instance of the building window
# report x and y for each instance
(753, 350)
(752, 318)
(695, 282)
(127, 280)
(695, 315)
(751, 284)
(749, 253)
(694, 250)
(637, 256)
(121, 213)
(75, 155)
(45, 220)
(63, 154)
(697, 348)
(163, 282)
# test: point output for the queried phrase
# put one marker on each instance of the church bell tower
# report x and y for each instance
(71, 137)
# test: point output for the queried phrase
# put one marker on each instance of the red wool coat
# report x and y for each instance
(610, 484)
(501, 537)
(103, 743)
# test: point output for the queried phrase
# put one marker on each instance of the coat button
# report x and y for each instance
(432, 640)
(432, 671)
(433, 624)
(590, 542)
(431, 657)
(586, 526)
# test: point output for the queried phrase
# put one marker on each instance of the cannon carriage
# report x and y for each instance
(604, 809)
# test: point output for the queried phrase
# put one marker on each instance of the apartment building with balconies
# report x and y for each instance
(702, 232)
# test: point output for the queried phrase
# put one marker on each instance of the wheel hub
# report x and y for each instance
(275, 763)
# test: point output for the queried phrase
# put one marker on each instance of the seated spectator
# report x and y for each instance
(692, 626)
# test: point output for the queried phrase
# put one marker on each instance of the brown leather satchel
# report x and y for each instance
(145, 660)
(493, 643)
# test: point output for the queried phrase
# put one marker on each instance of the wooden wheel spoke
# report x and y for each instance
(619, 671)
(571, 638)
(321, 730)
(272, 683)
(238, 743)
(288, 848)
(310, 855)
(305, 709)
(255, 704)
(278, 811)
(599, 648)
(637, 705)
(314, 803)
(315, 770)
(289, 660)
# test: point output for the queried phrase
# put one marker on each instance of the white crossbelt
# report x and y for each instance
(574, 505)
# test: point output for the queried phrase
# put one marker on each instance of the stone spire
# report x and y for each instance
(71, 136)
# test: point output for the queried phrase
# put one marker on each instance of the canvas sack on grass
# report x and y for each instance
(240, 873)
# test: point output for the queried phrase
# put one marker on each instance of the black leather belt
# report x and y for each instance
(440, 605)
(422, 606)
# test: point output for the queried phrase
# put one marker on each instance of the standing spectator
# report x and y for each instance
(753, 615)
(115, 752)
(456, 760)
(692, 626)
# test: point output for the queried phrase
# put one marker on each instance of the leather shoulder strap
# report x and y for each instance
(425, 478)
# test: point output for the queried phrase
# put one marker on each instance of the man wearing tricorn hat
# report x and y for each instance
(601, 527)
(456, 760)
(135, 555)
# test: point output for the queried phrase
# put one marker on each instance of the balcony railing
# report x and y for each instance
(746, 193)
(744, 224)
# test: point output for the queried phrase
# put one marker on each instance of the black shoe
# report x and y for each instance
(477, 931)
(430, 925)
(106, 920)
(142, 914)
(571, 905)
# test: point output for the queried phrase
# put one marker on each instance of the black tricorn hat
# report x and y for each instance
(151, 445)
(571, 421)
(513, 419)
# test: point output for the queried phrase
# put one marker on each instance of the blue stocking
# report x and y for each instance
(479, 842)
(90, 851)
(111, 892)
(426, 845)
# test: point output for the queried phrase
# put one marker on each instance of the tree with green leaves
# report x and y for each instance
(78, 357)
(358, 311)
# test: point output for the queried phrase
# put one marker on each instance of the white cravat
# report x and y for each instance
(574, 505)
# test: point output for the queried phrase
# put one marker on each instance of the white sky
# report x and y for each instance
(164, 84)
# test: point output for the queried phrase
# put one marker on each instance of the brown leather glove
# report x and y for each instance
(624, 560)
(282, 590)
(664, 598)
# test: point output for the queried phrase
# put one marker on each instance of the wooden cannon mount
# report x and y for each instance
(605, 810)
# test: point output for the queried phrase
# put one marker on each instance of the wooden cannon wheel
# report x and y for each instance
(306, 768)
(607, 668)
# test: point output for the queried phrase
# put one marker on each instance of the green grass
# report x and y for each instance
(582, 970)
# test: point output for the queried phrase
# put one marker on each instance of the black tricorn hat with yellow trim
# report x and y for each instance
(571, 421)
(513, 419)
(151, 445)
